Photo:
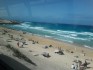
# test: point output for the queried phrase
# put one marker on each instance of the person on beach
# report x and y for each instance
(11, 36)
(18, 44)
(21, 44)
(84, 54)
(85, 64)
(79, 64)
(76, 66)
(73, 67)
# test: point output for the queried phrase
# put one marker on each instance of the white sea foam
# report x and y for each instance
(88, 46)
(69, 32)
(73, 34)
(45, 30)
(68, 36)
(48, 36)
(58, 30)
(27, 25)
(76, 33)
(23, 25)
(69, 41)
(86, 33)
(37, 28)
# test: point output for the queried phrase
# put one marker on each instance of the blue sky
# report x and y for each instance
(55, 11)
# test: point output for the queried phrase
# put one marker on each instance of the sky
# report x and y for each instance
(54, 11)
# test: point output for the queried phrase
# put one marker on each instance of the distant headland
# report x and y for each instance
(4, 21)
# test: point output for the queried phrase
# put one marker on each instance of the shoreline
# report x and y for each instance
(72, 45)
(55, 59)
(90, 48)
(76, 42)
(69, 45)
(76, 45)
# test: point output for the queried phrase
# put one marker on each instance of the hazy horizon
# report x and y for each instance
(52, 11)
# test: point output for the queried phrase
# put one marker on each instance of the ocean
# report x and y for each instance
(75, 34)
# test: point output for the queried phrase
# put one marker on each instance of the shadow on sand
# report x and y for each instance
(7, 63)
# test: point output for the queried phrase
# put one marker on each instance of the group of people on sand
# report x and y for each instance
(33, 41)
(59, 51)
(79, 65)
(20, 44)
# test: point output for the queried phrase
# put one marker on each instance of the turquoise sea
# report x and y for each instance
(75, 34)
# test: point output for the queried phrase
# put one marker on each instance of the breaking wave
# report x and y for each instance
(70, 36)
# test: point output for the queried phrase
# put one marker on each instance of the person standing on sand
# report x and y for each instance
(73, 67)
(79, 64)
(18, 44)
(76, 66)
(85, 64)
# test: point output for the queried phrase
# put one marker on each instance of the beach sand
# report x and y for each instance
(35, 46)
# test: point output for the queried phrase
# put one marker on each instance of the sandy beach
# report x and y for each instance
(34, 47)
